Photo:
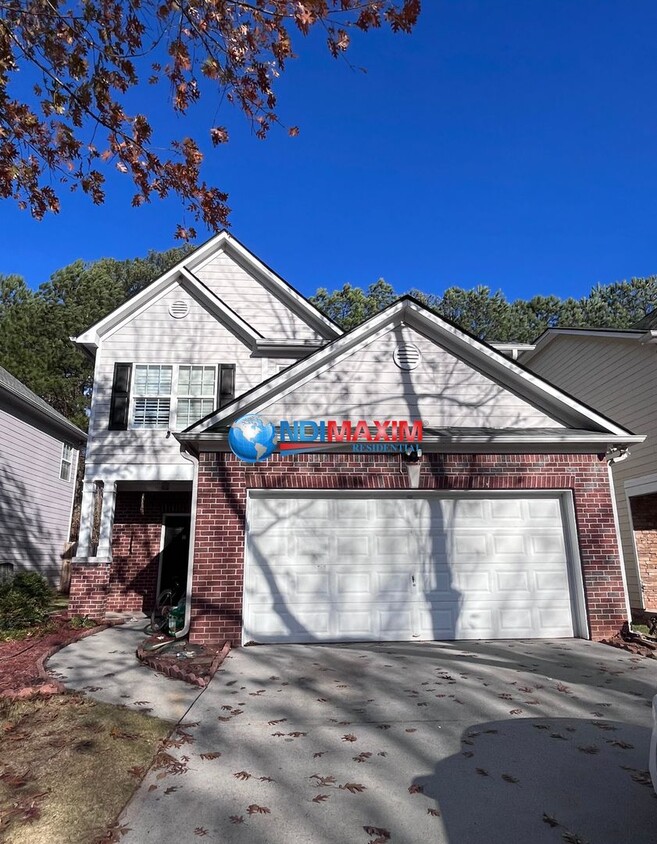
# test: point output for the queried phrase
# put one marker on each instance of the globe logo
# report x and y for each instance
(252, 439)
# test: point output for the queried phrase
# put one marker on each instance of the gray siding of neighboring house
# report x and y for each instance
(35, 504)
(443, 391)
(618, 378)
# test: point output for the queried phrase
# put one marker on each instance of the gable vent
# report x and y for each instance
(179, 309)
(407, 356)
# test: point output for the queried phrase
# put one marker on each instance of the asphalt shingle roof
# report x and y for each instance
(16, 388)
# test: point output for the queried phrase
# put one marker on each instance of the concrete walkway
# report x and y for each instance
(498, 742)
(105, 667)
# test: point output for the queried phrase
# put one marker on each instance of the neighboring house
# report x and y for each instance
(38, 462)
(502, 526)
(616, 371)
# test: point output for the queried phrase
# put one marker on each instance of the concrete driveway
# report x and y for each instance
(411, 743)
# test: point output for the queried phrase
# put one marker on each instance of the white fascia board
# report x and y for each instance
(515, 374)
(495, 443)
(214, 303)
(274, 283)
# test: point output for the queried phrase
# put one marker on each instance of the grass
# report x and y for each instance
(69, 765)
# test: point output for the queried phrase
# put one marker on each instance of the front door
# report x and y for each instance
(174, 555)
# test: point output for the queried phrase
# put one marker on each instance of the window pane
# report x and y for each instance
(151, 413)
(191, 410)
(153, 380)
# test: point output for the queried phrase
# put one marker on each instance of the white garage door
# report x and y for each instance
(354, 567)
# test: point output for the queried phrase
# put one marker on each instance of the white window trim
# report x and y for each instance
(173, 397)
(70, 461)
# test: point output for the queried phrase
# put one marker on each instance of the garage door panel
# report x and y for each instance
(396, 567)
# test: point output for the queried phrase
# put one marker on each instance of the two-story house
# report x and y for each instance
(425, 486)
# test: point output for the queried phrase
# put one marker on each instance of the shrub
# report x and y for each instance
(24, 600)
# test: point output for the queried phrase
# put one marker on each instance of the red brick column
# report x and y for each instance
(89, 589)
(222, 495)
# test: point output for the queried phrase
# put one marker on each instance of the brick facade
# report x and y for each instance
(644, 521)
(130, 582)
(222, 496)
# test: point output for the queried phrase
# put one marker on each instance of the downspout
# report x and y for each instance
(611, 460)
(192, 541)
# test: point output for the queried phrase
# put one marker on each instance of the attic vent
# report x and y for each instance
(407, 356)
(179, 309)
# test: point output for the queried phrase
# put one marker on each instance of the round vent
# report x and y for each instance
(179, 309)
(407, 356)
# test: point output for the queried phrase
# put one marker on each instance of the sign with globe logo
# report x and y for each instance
(252, 438)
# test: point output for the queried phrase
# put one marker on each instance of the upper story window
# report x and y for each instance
(197, 390)
(152, 396)
(66, 466)
(163, 396)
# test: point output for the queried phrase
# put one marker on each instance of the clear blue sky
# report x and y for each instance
(505, 142)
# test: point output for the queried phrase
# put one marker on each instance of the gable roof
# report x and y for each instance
(575, 415)
(15, 389)
(641, 335)
(225, 242)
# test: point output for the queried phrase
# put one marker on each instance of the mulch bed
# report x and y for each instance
(195, 664)
(22, 662)
(634, 643)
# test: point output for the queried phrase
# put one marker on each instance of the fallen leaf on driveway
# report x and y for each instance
(383, 726)
(549, 820)
(317, 755)
(200, 830)
(415, 789)
(297, 734)
(277, 721)
(254, 809)
(353, 787)
(509, 778)
(482, 772)
(433, 812)
(319, 798)
(362, 757)
(214, 755)
(349, 737)
(266, 779)
(515, 711)
(382, 834)
(242, 775)
(322, 780)
(237, 819)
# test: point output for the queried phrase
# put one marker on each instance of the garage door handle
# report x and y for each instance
(413, 579)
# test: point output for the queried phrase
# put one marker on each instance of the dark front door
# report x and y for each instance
(175, 554)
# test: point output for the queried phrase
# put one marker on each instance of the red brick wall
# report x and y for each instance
(131, 580)
(644, 520)
(222, 494)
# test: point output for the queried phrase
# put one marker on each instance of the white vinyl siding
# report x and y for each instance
(152, 389)
(154, 337)
(67, 462)
(619, 378)
(197, 389)
(443, 390)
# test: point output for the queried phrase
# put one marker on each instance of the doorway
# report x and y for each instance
(174, 554)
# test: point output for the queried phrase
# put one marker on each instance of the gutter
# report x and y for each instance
(192, 542)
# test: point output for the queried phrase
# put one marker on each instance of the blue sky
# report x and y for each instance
(509, 143)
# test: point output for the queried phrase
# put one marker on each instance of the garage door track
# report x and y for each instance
(410, 743)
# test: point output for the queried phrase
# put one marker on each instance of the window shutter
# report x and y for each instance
(226, 384)
(120, 405)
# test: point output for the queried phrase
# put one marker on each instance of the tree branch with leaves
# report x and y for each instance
(70, 74)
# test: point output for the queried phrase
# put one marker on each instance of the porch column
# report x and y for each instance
(86, 518)
(107, 521)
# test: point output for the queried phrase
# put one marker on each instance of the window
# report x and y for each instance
(66, 466)
(152, 396)
(196, 394)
